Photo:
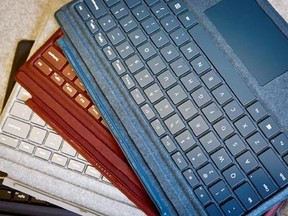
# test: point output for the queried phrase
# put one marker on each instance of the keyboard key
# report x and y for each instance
(115, 36)
(91, 171)
(37, 135)
(179, 37)
(257, 111)
(269, 127)
(210, 142)
(119, 11)
(168, 144)
(220, 192)
(83, 12)
(156, 65)
(53, 141)
(150, 2)
(125, 49)
(97, 8)
(69, 90)
(197, 157)
(201, 97)
(232, 208)
(200, 65)
(159, 39)
(69, 72)
(37, 120)
(21, 111)
(176, 94)
(169, 23)
(109, 52)
(20, 197)
(191, 178)
(221, 159)
(146, 50)
(137, 37)
(68, 149)
(174, 124)
(59, 159)
(23, 95)
(247, 162)
(185, 140)
(169, 53)
(57, 79)
(128, 23)
(106, 23)
(76, 165)
(55, 58)
(92, 26)
(198, 125)
(202, 195)
(177, 6)
(140, 12)
(222, 94)
(212, 112)
(223, 128)
(150, 25)
(245, 126)
(100, 39)
(211, 79)
(9, 141)
(179, 160)
(144, 78)
(280, 143)
(118, 67)
(213, 210)
(79, 84)
(158, 128)
(16, 128)
(247, 196)
(189, 50)
(164, 108)
(235, 145)
(208, 174)
(132, 3)
(179, 67)
(42, 153)
(43, 67)
(148, 112)
(233, 110)
(262, 183)
(275, 167)
(187, 109)
(137, 96)
(128, 81)
(190, 82)
(82, 101)
(153, 92)
(5, 194)
(110, 3)
(134, 63)
(223, 66)
(26, 147)
(166, 79)
(257, 142)
(233, 176)
(160, 10)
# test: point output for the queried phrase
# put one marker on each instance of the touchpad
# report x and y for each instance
(254, 37)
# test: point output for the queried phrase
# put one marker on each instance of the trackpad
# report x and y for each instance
(254, 37)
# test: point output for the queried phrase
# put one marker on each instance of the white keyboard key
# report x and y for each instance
(59, 159)
(26, 147)
(106, 180)
(21, 111)
(37, 135)
(76, 165)
(91, 171)
(16, 127)
(42, 153)
(53, 141)
(9, 141)
(37, 120)
(81, 157)
(68, 149)
(23, 94)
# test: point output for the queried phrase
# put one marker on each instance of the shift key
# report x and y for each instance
(275, 167)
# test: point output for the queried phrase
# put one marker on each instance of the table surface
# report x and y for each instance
(23, 19)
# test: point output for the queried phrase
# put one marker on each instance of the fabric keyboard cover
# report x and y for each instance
(143, 148)
(88, 136)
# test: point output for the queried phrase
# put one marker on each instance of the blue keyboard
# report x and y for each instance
(230, 154)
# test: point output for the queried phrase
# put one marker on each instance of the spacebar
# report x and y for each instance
(225, 69)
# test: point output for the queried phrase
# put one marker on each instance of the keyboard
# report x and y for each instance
(228, 154)
(59, 97)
